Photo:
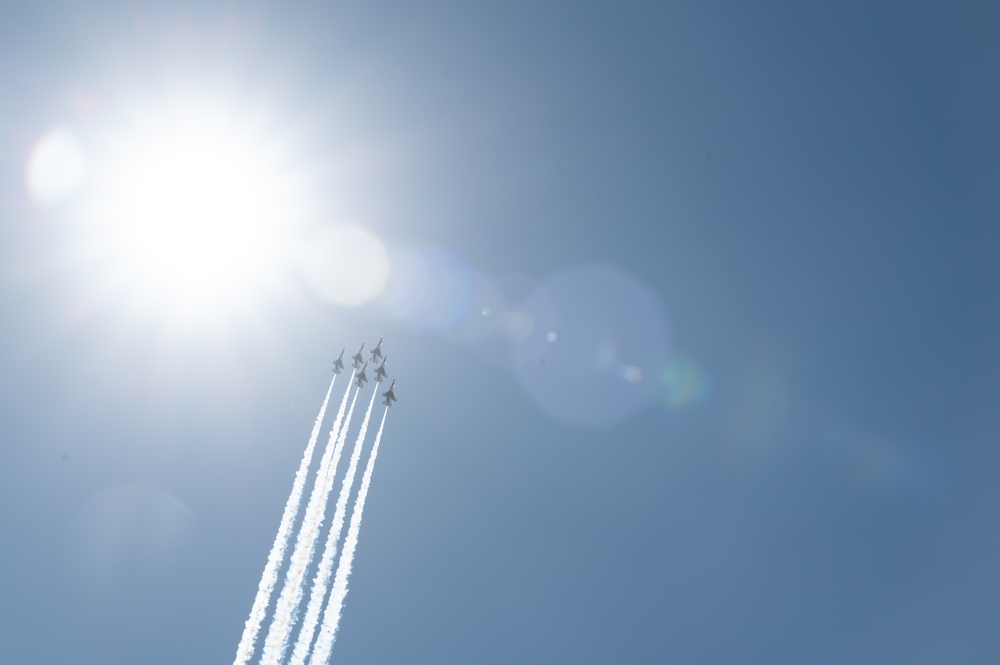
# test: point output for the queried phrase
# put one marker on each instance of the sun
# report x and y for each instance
(194, 205)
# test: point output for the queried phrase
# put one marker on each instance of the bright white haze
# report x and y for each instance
(194, 208)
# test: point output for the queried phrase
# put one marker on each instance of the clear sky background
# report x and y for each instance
(693, 308)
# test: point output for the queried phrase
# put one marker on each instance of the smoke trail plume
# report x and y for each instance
(322, 579)
(305, 543)
(277, 554)
(331, 616)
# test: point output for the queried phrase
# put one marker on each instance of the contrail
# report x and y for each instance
(331, 616)
(277, 554)
(318, 593)
(291, 593)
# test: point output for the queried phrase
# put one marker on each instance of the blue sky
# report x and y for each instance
(692, 308)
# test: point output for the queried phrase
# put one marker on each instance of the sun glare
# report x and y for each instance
(194, 207)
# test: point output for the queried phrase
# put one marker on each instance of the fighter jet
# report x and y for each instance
(359, 357)
(380, 370)
(338, 364)
(362, 377)
(390, 395)
(377, 351)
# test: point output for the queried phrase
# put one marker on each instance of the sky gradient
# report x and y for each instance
(693, 309)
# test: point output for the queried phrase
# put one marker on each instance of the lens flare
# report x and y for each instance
(586, 342)
(345, 264)
(684, 383)
(56, 168)
(431, 288)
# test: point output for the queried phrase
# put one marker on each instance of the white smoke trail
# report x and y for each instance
(318, 593)
(277, 554)
(331, 616)
(305, 543)
(338, 442)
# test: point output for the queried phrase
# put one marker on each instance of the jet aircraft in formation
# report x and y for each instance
(359, 357)
(362, 364)
(377, 351)
(390, 394)
(380, 372)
